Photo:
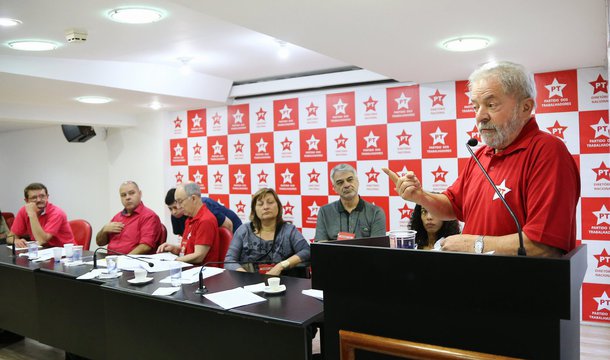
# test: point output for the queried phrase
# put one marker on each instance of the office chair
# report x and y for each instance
(162, 235)
(224, 236)
(9, 217)
(82, 232)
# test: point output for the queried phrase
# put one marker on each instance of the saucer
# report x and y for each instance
(280, 289)
(105, 275)
(139, 282)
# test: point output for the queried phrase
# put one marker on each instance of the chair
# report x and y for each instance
(349, 341)
(225, 236)
(9, 217)
(162, 235)
(82, 232)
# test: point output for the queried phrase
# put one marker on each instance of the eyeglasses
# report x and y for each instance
(39, 196)
(179, 201)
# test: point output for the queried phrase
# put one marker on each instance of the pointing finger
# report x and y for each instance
(393, 176)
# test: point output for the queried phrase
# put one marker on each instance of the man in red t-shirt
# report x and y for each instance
(135, 229)
(40, 220)
(538, 176)
(200, 242)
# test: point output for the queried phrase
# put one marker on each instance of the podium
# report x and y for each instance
(524, 307)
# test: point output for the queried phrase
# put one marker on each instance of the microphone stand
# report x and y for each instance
(474, 142)
(202, 289)
(118, 253)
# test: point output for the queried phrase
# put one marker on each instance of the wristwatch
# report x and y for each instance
(479, 244)
(285, 264)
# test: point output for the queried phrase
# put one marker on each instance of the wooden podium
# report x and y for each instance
(524, 307)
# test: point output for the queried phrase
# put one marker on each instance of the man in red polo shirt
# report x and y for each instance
(534, 170)
(134, 230)
(200, 242)
(40, 220)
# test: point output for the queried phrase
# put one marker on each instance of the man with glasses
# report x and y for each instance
(200, 240)
(135, 229)
(40, 221)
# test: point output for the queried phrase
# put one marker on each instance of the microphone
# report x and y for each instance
(202, 289)
(474, 142)
(13, 243)
(118, 253)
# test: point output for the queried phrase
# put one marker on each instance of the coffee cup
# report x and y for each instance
(139, 274)
(274, 283)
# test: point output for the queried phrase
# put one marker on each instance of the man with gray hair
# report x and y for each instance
(200, 240)
(533, 169)
(350, 216)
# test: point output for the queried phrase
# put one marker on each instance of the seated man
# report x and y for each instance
(225, 217)
(40, 220)
(350, 216)
(200, 240)
(134, 230)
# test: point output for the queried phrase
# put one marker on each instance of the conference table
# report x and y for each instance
(113, 319)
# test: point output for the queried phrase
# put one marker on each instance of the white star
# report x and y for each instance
(198, 176)
(371, 140)
(603, 302)
(196, 121)
(402, 101)
(601, 128)
(238, 116)
(555, 88)
(287, 175)
(217, 148)
(438, 136)
(340, 107)
(503, 190)
(603, 216)
(178, 150)
(403, 172)
(313, 209)
(468, 96)
(239, 177)
(285, 111)
(313, 143)
(262, 145)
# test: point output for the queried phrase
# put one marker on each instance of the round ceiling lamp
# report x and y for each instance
(32, 45)
(136, 15)
(467, 43)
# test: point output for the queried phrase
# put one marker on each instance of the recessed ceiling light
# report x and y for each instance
(32, 45)
(469, 43)
(155, 105)
(9, 22)
(136, 15)
(93, 99)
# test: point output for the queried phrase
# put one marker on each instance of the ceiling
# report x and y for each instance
(235, 41)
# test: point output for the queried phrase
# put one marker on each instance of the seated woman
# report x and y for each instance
(267, 238)
(430, 229)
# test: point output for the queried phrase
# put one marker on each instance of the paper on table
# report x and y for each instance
(191, 276)
(90, 275)
(229, 299)
(166, 291)
(260, 287)
(16, 248)
(318, 294)
(160, 263)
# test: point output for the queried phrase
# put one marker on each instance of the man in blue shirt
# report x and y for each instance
(226, 217)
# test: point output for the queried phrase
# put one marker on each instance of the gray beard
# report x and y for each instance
(499, 139)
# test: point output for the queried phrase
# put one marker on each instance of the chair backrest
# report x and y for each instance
(224, 236)
(82, 232)
(9, 217)
(162, 235)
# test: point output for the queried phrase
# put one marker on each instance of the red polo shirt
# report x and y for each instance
(141, 227)
(53, 221)
(539, 180)
(202, 229)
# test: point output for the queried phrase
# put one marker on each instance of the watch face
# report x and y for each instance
(478, 246)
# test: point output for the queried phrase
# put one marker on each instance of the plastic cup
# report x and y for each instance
(139, 274)
(57, 253)
(32, 250)
(175, 273)
(274, 283)
(403, 239)
(77, 253)
(112, 264)
(68, 250)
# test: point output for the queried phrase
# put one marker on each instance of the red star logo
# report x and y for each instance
(241, 207)
(372, 175)
(599, 85)
(286, 144)
(437, 98)
(262, 177)
(312, 110)
(557, 129)
(439, 174)
(603, 259)
(288, 209)
(602, 172)
(260, 114)
(370, 104)
(218, 177)
(474, 134)
(197, 149)
(313, 176)
(239, 147)
(177, 123)
(179, 177)
(404, 138)
(341, 141)
(216, 119)
(405, 212)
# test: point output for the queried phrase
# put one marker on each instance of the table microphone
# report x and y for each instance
(118, 253)
(474, 142)
(202, 289)
(13, 244)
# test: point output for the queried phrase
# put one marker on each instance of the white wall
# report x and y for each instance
(83, 178)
